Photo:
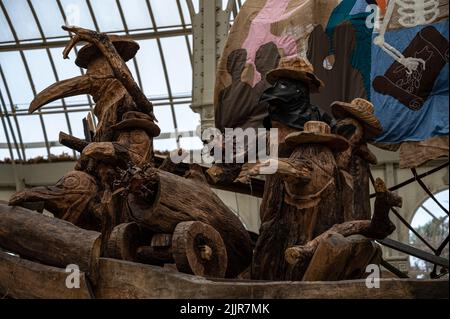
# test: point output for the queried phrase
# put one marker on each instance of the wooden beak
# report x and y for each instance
(70, 87)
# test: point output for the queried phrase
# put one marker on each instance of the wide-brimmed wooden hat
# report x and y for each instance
(361, 110)
(297, 69)
(316, 132)
(126, 47)
(137, 121)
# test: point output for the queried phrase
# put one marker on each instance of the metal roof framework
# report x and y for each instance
(31, 37)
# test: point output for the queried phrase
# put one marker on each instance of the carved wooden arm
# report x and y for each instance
(291, 171)
(378, 228)
(120, 69)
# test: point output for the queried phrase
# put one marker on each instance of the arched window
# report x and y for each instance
(430, 222)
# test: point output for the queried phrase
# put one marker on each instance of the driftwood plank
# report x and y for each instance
(21, 278)
(122, 279)
(52, 241)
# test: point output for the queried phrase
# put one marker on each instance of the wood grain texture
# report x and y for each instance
(294, 212)
(123, 242)
(126, 280)
(155, 256)
(182, 200)
(342, 258)
(355, 162)
(199, 249)
(379, 227)
(24, 279)
(49, 240)
(121, 279)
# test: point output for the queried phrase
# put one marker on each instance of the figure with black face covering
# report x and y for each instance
(289, 97)
(306, 198)
(289, 109)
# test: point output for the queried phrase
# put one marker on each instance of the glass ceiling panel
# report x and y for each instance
(77, 13)
(59, 150)
(55, 123)
(3, 99)
(22, 19)
(67, 69)
(191, 143)
(190, 42)
(5, 31)
(2, 133)
(35, 152)
(31, 129)
(16, 78)
(196, 5)
(40, 69)
(165, 12)
(164, 117)
(151, 69)
(107, 15)
(130, 65)
(4, 153)
(136, 14)
(185, 10)
(178, 66)
(49, 8)
(76, 122)
(187, 120)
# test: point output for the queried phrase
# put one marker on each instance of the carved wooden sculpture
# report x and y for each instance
(70, 199)
(378, 228)
(115, 188)
(304, 204)
(123, 135)
(159, 201)
(358, 124)
(49, 240)
(300, 202)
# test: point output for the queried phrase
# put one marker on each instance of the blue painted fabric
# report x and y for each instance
(400, 123)
(355, 11)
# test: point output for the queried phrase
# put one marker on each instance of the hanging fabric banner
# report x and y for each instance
(263, 32)
(338, 38)
(412, 105)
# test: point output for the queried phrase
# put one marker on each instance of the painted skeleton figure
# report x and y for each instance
(411, 13)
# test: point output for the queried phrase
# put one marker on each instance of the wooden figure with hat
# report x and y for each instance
(305, 211)
(124, 133)
(288, 109)
(289, 97)
(144, 213)
(301, 201)
(356, 122)
(288, 100)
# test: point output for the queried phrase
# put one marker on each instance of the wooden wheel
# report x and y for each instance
(199, 249)
(123, 242)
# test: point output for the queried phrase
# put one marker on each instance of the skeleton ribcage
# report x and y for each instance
(417, 12)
